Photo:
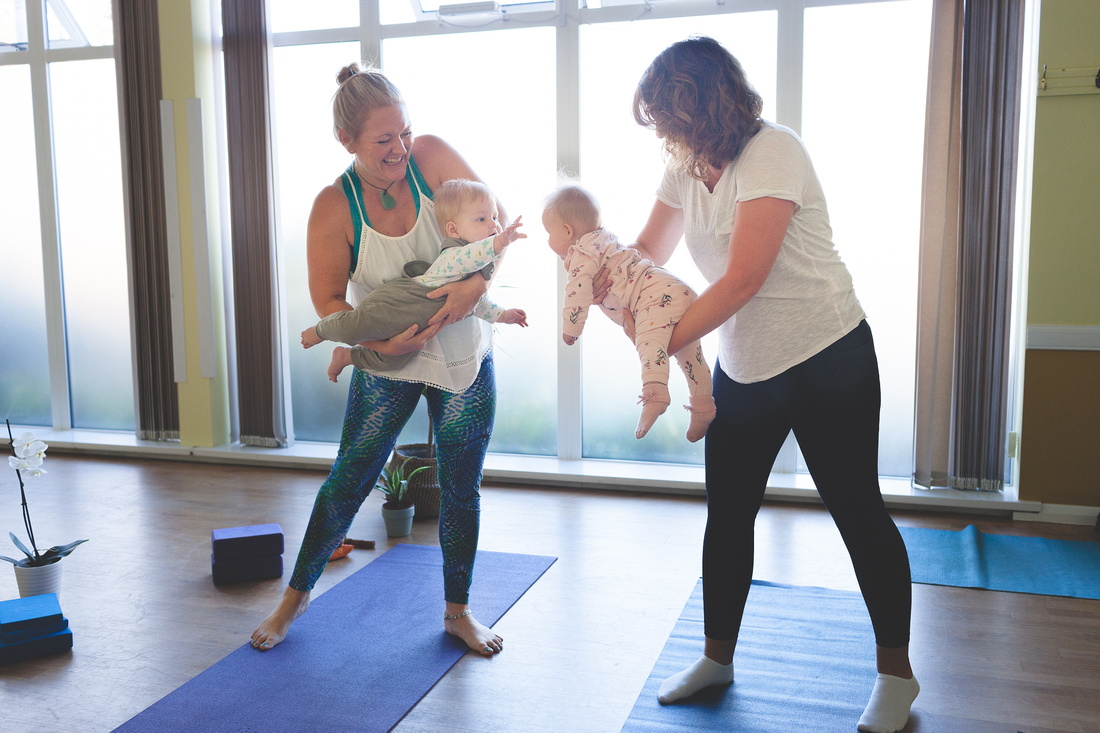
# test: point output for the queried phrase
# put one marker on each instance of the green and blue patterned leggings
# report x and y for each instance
(377, 410)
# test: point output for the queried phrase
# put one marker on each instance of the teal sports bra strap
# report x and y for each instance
(353, 189)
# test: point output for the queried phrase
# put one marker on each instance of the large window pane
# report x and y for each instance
(501, 118)
(13, 26)
(622, 164)
(93, 243)
(295, 15)
(76, 23)
(309, 158)
(867, 150)
(24, 370)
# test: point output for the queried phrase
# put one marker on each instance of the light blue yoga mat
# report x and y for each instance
(805, 661)
(972, 559)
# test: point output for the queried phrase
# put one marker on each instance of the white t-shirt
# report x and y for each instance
(807, 301)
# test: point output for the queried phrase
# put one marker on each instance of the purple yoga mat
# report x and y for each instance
(363, 655)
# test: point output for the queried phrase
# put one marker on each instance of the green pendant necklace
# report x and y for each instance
(388, 201)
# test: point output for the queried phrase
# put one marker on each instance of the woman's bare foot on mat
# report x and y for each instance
(272, 629)
(480, 638)
(341, 359)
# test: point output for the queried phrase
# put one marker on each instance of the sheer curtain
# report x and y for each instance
(137, 59)
(966, 243)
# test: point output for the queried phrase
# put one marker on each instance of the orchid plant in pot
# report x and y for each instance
(39, 571)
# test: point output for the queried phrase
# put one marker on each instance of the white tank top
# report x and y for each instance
(452, 359)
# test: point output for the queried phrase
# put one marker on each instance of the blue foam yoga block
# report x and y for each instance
(240, 543)
(29, 612)
(250, 568)
(34, 632)
(17, 651)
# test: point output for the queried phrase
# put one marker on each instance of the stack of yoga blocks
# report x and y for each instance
(31, 627)
(246, 553)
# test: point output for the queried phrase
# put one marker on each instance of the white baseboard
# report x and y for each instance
(1061, 514)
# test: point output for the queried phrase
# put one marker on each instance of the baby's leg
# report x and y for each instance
(694, 366)
(652, 341)
(341, 359)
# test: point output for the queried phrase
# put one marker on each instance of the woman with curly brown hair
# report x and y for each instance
(795, 353)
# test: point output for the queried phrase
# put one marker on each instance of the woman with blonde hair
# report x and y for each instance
(362, 230)
(795, 353)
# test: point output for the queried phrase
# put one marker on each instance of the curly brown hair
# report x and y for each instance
(697, 99)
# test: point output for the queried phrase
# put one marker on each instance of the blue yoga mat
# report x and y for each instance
(359, 659)
(972, 559)
(805, 661)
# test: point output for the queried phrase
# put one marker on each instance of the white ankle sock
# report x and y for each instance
(888, 709)
(704, 673)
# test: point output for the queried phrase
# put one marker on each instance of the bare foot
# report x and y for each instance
(478, 637)
(273, 629)
(341, 359)
(310, 337)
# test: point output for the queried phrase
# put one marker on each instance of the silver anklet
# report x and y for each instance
(457, 616)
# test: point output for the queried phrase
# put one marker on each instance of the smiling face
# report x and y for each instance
(560, 234)
(382, 148)
(476, 221)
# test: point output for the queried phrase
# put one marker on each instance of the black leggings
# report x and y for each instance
(831, 401)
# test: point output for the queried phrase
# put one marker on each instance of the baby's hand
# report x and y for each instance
(310, 337)
(569, 340)
(509, 235)
(514, 316)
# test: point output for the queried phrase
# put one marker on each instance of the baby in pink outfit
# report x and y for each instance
(654, 297)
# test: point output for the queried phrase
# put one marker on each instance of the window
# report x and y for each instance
(67, 358)
(862, 120)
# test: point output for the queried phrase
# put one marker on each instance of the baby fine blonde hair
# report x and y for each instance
(575, 206)
(455, 195)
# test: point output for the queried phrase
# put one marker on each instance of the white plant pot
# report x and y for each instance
(35, 581)
(399, 522)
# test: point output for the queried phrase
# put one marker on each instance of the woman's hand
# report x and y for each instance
(462, 297)
(601, 286)
(405, 342)
(629, 325)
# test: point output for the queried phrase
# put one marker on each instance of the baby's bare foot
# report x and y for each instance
(341, 359)
(310, 337)
(273, 629)
(478, 637)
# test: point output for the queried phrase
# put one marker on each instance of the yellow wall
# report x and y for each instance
(1059, 463)
(187, 72)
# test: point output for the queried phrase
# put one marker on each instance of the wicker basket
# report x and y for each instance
(424, 486)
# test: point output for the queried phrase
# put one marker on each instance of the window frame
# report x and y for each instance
(566, 19)
(37, 57)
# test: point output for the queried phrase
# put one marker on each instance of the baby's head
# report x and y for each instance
(466, 210)
(569, 213)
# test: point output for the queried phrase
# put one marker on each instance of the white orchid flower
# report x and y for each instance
(26, 445)
(29, 464)
(19, 464)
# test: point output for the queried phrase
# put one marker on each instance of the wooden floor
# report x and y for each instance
(578, 646)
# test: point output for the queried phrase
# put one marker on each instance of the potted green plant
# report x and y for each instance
(424, 489)
(40, 571)
(398, 510)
